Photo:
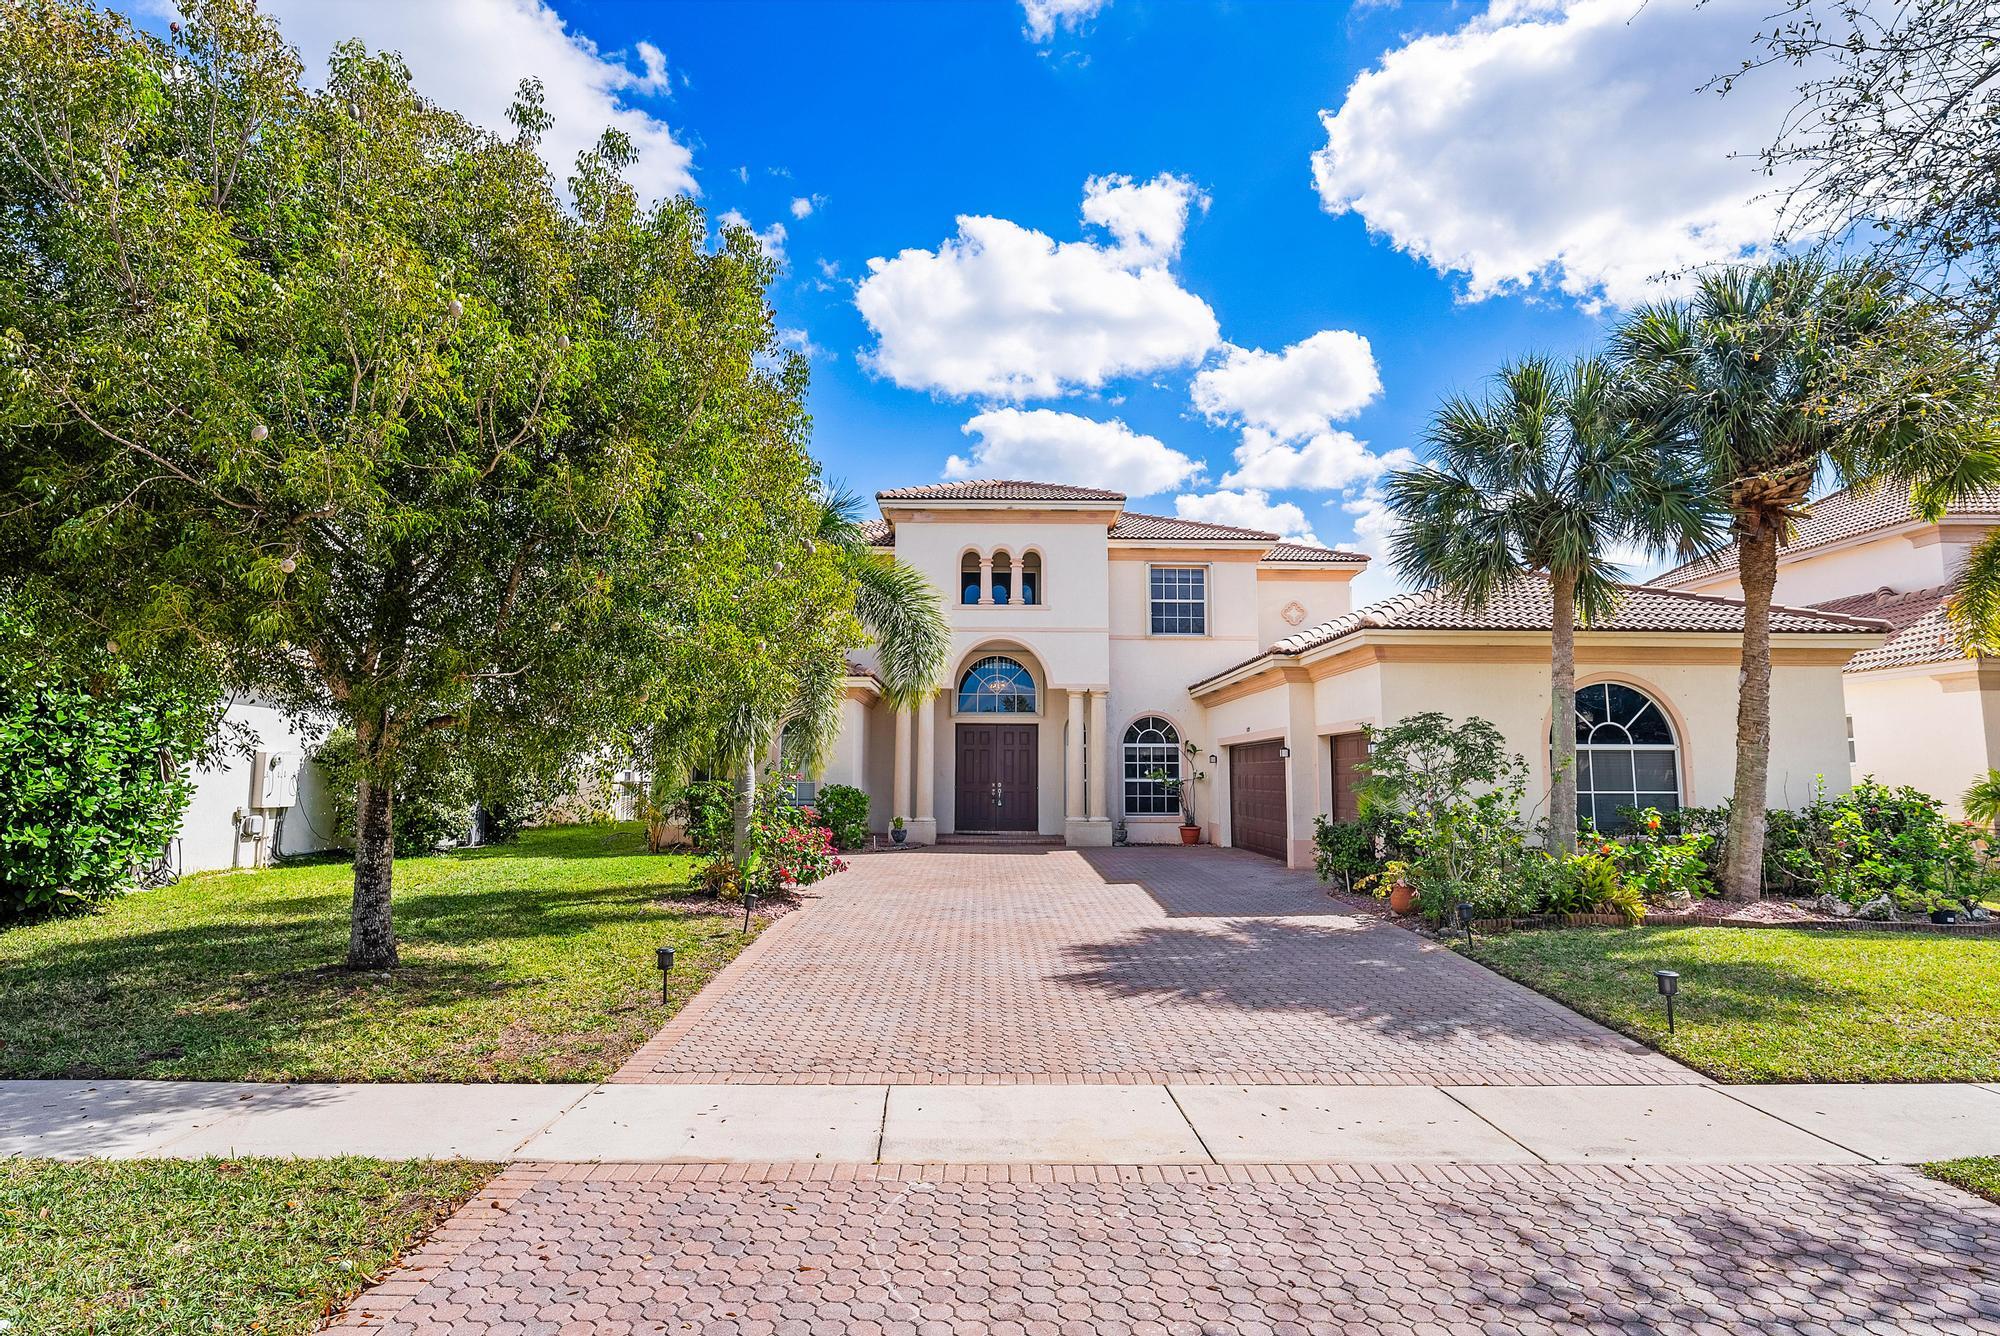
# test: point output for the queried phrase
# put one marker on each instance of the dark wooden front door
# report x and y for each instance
(1349, 751)
(996, 777)
(1257, 798)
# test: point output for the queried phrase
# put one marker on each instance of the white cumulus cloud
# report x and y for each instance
(1304, 389)
(471, 55)
(1048, 446)
(1564, 144)
(1002, 311)
(1044, 16)
(1249, 508)
(1326, 461)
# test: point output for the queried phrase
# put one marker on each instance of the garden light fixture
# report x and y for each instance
(1670, 984)
(665, 958)
(749, 903)
(1465, 920)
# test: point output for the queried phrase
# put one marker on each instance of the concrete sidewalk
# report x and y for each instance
(1078, 1124)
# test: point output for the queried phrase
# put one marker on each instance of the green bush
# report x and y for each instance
(844, 809)
(93, 775)
(1344, 849)
(1660, 865)
(1875, 840)
(707, 809)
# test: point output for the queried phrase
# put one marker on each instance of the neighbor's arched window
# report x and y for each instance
(1151, 744)
(1626, 754)
(996, 685)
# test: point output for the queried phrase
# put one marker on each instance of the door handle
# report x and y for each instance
(999, 797)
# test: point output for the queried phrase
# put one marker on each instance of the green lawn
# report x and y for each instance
(184, 1246)
(1976, 1175)
(525, 962)
(1778, 1005)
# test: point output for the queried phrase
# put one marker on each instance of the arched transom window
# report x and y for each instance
(1151, 744)
(996, 685)
(1626, 754)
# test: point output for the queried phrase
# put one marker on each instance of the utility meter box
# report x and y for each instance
(274, 779)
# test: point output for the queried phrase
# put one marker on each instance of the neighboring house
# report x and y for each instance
(1919, 711)
(246, 809)
(1092, 644)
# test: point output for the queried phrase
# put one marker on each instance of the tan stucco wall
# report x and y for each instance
(1902, 562)
(1936, 728)
(1323, 594)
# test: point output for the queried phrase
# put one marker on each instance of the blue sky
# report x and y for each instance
(1491, 180)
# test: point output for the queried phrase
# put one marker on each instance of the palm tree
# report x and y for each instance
(1771, 376)
(1547, 475)
(903, 617)
(1982, 801)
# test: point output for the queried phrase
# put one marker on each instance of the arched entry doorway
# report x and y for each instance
(998, 725)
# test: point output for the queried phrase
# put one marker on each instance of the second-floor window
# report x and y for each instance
(1179, 601)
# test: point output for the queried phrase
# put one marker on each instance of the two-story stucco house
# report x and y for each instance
(1092, 644)
(1919, 710)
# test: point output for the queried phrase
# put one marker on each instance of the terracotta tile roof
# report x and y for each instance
(863, 670)
(1848, 513)
(997, 490)
(1168, 527)
(1306, 552)
(878, 533)
(1923, 630)
(1527, 606)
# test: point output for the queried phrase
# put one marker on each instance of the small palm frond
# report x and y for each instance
(812, 717)
(901, 610)
(1974, 604)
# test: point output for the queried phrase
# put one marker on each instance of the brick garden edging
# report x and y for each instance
(1990, 928)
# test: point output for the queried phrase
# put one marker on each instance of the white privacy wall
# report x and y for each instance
(209, 836)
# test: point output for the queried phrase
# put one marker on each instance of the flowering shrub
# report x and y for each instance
(1661, 864)
(845, 809)
(1875, 840)
(791, 848)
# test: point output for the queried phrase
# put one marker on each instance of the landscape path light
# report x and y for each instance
(664, 957)
(1465, 920)
(1670, 985)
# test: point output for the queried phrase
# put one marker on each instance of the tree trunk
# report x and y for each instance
(371, 939)
(1757, 568)
(1562, 714)
(746, 804)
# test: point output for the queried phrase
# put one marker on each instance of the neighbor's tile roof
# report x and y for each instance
(1306, 552)
(1167, 527)
(1923, 630)
(1526, 606)
(997, 490)
(1848, 513)
(878, 533)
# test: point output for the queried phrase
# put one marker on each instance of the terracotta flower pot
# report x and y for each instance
(1402, 898)
(1190, 834)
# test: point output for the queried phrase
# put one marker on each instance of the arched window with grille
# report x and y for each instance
(1151, 744)
(1626, 755)
(996, 685)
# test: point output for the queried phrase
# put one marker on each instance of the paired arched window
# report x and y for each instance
(1151, 744)
(996, 685)
(1626, 754)
(1013, 580)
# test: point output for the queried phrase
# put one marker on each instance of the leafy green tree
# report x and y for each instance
(1548, 475)
(338, 386)
(1769, 377)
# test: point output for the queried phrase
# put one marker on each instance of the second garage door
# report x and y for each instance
(1257, 798)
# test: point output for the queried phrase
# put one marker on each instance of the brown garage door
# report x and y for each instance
(1257, 798)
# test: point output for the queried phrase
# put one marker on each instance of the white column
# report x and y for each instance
(1100, 757)
(986, 580)
(1073, 760)
(899, 784)
(927, 759)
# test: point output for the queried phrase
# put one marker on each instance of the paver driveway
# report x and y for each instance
(616, 1250)
(978, 966)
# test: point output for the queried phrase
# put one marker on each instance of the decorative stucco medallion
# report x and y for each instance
(1293, 613)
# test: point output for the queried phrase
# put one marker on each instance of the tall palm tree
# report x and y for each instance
(1772, 376)
(902, 615)
(1548, 475)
